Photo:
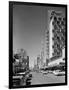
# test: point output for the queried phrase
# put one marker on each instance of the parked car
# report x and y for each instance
(28, 79)
(45, 72)
(59, 73)
(17, 80)
(50, 71)
(30, 75)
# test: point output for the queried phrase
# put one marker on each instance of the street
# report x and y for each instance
(39, 78)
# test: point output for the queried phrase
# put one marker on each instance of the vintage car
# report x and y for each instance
(58, 72)
(45, 72)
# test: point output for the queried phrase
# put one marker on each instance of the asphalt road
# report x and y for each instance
(39, 78)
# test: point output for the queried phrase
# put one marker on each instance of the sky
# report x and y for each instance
(29, 25)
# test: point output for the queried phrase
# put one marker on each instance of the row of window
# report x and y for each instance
(57, 54)
(59, 38)
(58, 23)
(56, 18)
(58, 33)
(58, 30)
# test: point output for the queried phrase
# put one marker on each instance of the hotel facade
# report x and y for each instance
(55, 38)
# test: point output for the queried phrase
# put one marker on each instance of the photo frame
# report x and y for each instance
(40, 29)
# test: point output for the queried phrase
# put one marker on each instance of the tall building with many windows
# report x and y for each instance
(55, 36)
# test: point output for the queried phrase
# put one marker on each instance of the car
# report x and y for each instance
(41, 71)
(58, 73)
(21, 74)
(28, 82)
(17, 80)
(45, 72)
(28, 79)
(30, 75)
(22, 77)
(50, 71)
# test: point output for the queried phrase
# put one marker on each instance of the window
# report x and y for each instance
(52, 38)
(53, 23)
(53, 30)
(59, 18)
(53, 54)
(63, 19)
(53, 46)
(62, 23)
(58, 22)
(55, 18)
(63, 58)
(55, 27)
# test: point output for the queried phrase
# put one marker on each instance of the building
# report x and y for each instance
(20, 61)
(25, 63)
(39, 61)
(42, 53)
(55, 37)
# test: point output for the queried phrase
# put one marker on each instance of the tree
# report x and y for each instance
(22, 53)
